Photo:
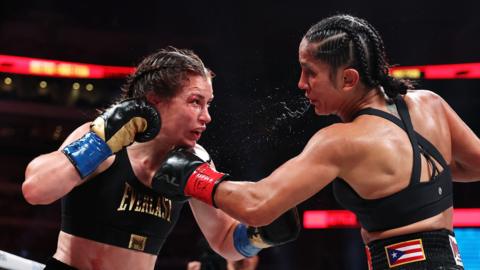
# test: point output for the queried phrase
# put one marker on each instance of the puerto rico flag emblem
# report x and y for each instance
(369, 258)
(405, 252)
(455, 251)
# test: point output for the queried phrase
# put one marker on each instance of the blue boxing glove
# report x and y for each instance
(248, 240)
(119, 126)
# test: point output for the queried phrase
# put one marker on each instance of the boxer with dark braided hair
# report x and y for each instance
(354, 42)
(111, 216)
(392, 160)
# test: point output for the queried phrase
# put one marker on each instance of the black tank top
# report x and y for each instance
(418, 201)
(116, 208)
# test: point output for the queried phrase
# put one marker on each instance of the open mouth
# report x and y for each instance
(197, 134)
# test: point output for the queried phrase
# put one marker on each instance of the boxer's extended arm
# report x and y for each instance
(225, 235)
(234, 240)
(259, 203)
(217, 227)
(256, 203)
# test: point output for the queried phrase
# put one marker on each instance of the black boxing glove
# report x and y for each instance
(248, 240)
(119, 126)
(184, 174)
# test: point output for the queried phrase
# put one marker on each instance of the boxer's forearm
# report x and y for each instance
(48, 178)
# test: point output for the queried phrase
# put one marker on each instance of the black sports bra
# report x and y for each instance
(117, 209)
(418, 201)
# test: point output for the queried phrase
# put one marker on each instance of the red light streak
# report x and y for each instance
(323, 219)
(447, 71)
(54, 68)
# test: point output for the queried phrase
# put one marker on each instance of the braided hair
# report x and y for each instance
(164, 72)
(346, 40)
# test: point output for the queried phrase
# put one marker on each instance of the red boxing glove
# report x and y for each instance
(184, 175)
(203, 183)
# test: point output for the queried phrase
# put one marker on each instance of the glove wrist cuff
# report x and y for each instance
(243, 243)
(87, 153)
(202, 183)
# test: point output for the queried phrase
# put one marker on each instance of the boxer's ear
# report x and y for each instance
(350, 79)
(152, 97)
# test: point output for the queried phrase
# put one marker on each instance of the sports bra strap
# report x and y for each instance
(405, 116)
(428, 146)
(382, 114)
(415, 177)
(416, 139)
(432, 150)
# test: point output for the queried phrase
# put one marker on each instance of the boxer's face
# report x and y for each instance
(316, 81)
(185, 116)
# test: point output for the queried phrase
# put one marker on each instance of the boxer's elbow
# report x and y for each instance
(31, 192)
(35, 194)
(32, 188)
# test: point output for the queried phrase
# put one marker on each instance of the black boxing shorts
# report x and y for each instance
(431, 250)
(54, 264)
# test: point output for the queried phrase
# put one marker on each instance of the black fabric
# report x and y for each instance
(418, 201)
(117, 209)
(54, 264)
(436, 246)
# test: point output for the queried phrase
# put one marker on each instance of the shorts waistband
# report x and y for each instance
(422, 250)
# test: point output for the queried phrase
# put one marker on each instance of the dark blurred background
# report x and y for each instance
(260, 119)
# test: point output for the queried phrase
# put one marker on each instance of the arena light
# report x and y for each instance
(43, 84)
(89, 87)
(432, 72)
(7, 81)
(76, 86)
(324, 219)
(466, 217)
(410, 73)
(55, 68)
